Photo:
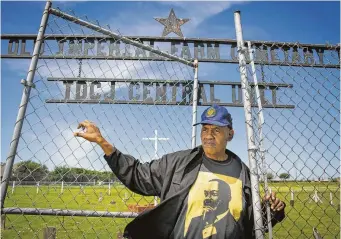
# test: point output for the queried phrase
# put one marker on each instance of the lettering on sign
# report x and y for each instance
(205, 50)
(120, 91)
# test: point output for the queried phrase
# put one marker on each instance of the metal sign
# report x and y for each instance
(166, 92)
(205, 50)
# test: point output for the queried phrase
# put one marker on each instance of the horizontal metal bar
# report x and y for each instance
(168, 39)
(70, 57)
(66, 212)
(164, 81)
(139, 102)
(251, 84)
(66, 57)
(94, 27)
(109, 101)
(118, 80)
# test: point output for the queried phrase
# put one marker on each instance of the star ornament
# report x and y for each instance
(172, 24)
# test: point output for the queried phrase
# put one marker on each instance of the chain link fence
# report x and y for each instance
(298, 145)
(133, 102)
(63, 182)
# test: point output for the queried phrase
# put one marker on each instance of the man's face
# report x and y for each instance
(211, 196)
(214, 138)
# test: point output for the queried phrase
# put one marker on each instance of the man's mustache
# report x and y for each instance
(209, 203)
(209, 142)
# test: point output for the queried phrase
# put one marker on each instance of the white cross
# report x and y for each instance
(155, 144)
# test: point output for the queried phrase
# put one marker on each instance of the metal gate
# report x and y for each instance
(290, 93)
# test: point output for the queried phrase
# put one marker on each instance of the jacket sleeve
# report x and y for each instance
(142, 178)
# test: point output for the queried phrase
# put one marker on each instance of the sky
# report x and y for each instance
(47, 132)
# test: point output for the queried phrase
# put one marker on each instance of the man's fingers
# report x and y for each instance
(78, 134)
(90, 131)
(84, 124)
(81, 124)
(273, 196)
(87, 122)
(280, 206)
(275, 203)
(270, 197)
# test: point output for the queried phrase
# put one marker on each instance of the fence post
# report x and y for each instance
(28, 83)
(50, 233)
(13, 187)
(3, 221)
(195, 102)
(256, 203)
(292, 197)
(261, 137)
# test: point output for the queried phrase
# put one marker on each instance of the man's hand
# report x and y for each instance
(276, 208)
(91, 132)
(275, 203)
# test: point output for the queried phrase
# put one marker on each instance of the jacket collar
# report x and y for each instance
(197, 149)
(200, 150)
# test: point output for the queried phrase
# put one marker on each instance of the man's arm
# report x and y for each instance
(145, 179)
(107, 148)
(142, 178)
(276, 208)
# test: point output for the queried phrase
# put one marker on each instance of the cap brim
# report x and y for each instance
(212, 122)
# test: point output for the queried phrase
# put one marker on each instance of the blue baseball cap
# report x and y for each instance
(216, 115)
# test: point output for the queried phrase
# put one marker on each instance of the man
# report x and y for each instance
(181, 180)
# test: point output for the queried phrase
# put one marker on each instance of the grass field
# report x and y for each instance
(299, 221)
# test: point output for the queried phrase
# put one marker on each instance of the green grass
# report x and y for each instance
(299, 221)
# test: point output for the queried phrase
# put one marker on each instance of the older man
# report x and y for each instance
(205, 191)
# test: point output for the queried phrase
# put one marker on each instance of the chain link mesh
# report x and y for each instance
(55, 170)
(298, 145)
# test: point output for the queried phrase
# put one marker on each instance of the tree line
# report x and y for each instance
(33, 171)
(283, 176)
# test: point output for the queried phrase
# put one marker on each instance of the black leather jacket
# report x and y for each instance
(170, 178)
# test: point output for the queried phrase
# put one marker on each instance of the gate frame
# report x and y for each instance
(252, 148)
(28, 83)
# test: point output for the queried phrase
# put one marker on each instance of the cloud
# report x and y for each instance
(128, 23)
(199, 11)
(56, 123)
(47, 135)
